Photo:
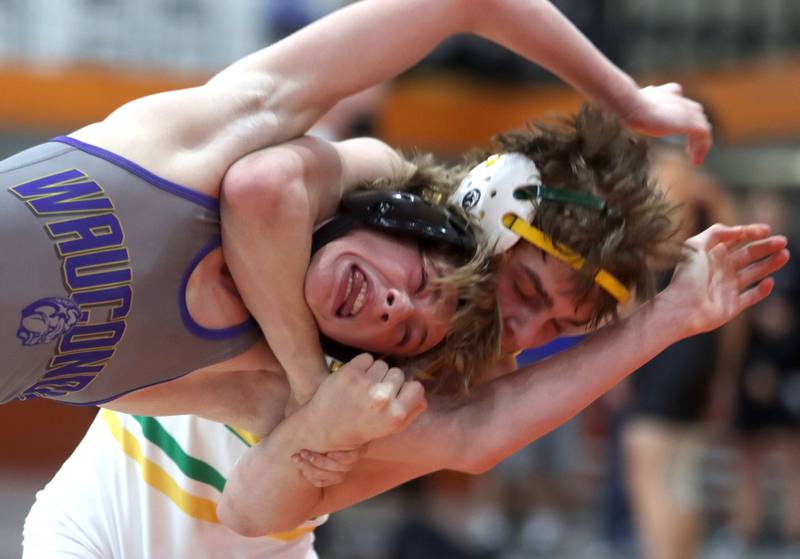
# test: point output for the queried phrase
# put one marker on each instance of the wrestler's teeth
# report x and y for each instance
(362, 295)
(349, 285)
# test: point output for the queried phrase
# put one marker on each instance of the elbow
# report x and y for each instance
(265, 184)
(477, 463)
(245, 525)
(235, 520)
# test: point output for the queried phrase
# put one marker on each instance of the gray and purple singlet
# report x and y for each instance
(96, 255)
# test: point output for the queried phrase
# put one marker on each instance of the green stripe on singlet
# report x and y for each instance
(193, 468)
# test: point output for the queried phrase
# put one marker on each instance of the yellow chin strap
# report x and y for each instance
(536, 237)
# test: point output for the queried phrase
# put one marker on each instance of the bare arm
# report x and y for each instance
(271, 201)
(249, 391)
(514, 410)
(501, 417)
(390, 36)
(277, 93)
(712, 288)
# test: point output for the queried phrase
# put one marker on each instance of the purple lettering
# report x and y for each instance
(84, 271)
(88, 362)
(62, 193)
(93, 232)
(92, 336)
(119, 297)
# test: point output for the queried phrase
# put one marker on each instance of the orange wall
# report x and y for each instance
(65, 98)
(751, 102)
(40, 434)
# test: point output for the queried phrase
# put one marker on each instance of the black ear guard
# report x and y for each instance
(400, 213)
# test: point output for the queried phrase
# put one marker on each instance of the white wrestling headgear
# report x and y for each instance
(487, 194)
(502, 195)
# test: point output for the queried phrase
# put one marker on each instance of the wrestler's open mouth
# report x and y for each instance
(355, 293)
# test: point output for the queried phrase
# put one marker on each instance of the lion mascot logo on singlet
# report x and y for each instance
(47, 319)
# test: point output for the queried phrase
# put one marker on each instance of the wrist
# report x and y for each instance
(621, 95)
(306, 431)
(669, 318)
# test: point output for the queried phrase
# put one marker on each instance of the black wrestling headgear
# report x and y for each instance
(398, 212)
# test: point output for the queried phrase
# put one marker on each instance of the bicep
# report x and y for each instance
(369, 159)
(291, 181)
(309, 174)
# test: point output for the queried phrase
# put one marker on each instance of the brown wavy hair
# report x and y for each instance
(593, 153)
(590, 152)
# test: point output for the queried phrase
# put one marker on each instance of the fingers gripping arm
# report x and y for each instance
(362, 401)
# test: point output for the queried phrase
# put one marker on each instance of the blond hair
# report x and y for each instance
(472, 343)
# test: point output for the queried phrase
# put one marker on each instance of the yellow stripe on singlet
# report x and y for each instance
(158, 478)
(247, 437)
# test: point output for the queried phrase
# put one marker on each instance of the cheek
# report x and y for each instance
(316, 288)
(505, 296)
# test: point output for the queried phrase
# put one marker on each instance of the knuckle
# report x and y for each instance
(379, 367)
(397, 417)
(415, 389)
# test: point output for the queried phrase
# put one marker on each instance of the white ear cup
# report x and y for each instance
(487, 194)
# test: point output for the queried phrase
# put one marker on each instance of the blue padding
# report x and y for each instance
(558, 345)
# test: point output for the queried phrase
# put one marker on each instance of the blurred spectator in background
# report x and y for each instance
(670, 397)
(353, 116)
(767, 419)
(284, 17)
(453, 516)
(540, 481)
(485, 61)
(616, 532)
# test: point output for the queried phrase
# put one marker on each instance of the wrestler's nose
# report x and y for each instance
(523, 330)
(396, 306)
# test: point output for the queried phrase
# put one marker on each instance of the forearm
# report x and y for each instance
(390, 36)
(499, 418)
(251, 400)
(505, 414)
(510, 412)
(267, 251)
(265, 492)
(536, 30)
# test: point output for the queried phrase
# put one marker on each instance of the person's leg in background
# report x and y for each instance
(662, 463)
